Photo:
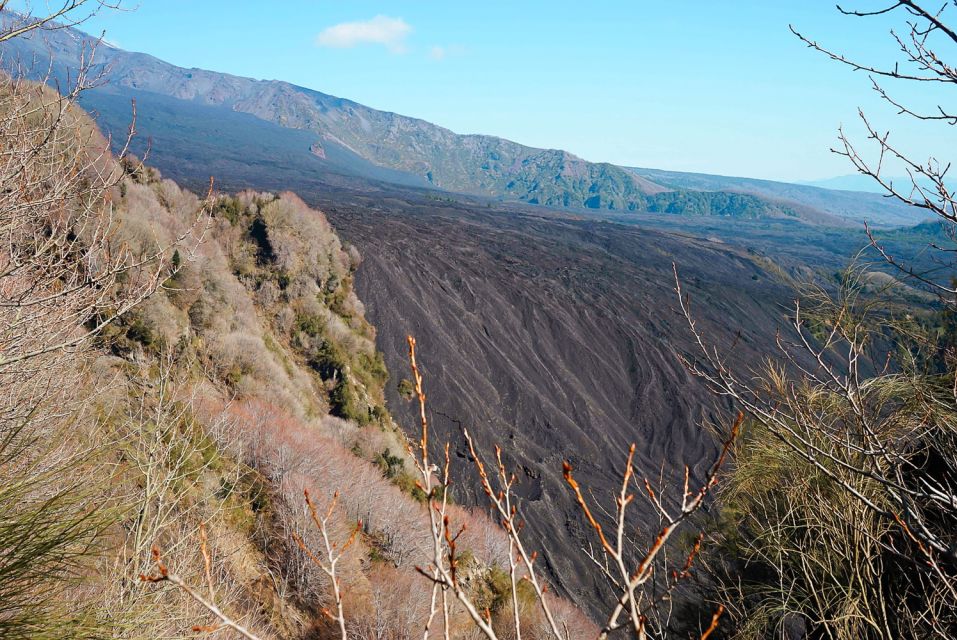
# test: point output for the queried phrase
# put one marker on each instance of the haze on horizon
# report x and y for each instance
(698, 86)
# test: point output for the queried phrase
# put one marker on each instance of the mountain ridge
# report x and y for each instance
(443, 158)
(845, 205)
(426, 154)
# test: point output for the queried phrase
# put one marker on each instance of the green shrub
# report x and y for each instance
(139, 331)
(390, 465)
(230, 208)
(49, 525)
(406, 388)
(310, 325)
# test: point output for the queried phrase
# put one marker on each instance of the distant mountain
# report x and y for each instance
(430, 154)
(854, 182)
(845, 205)
(866, 184)
(336, 138)
(262, 122)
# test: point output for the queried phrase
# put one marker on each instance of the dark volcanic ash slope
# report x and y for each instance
(556, 338)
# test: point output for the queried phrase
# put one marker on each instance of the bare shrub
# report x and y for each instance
(66, 272)
(397, 606)
(841, 515)
(842, 498)
(627, 567)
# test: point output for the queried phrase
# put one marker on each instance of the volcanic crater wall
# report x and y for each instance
(557, 339)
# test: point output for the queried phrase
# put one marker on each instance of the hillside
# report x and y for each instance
(276, 365)
(577, 366)
(848, 206)
(473, 164)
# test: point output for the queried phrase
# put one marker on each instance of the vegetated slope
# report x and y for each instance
(229, 369)
(844, 205)
(251, 376)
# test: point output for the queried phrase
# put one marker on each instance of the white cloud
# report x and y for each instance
(389, 32)
(437, 53)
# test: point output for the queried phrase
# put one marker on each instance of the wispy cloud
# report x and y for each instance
(383, 30)
(439, 52)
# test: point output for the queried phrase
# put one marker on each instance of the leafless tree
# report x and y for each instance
(54, 15)
(66, 272)
(630, 568)
(885, 440)
(845, 487)
(627, 569)
(922, 44)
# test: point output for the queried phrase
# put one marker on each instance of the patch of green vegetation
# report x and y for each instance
(371, 369)
(283, 279)
(493, 588)
(124, 334)
(711, 203)
(344, 402)
(409, 485)
(312, 326)
(229, 207)
(389, 464)
(327, 359)
(378, 544)
(192, 448)
(139, 331)
(332, 363)
(336, 294)
(247, 498)
(406, 388)
(276, 350)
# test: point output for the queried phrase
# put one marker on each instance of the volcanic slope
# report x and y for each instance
(553, 335)
(556, 338)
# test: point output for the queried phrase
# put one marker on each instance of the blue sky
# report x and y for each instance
(695, 85)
